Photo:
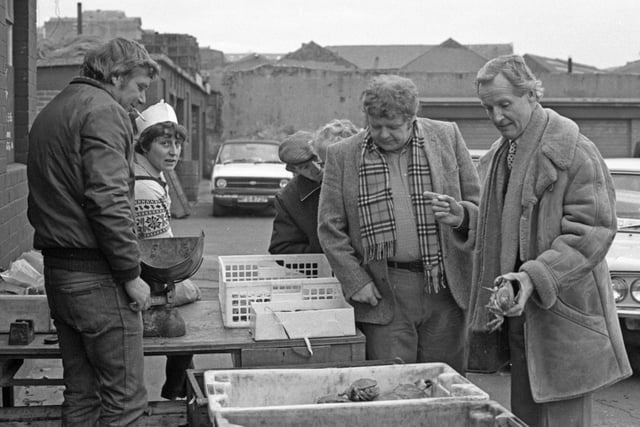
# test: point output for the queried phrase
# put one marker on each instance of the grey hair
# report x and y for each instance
(389, 96)
(333, 131)
(515, 70)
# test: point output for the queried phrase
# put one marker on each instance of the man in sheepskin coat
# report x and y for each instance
(545, 223)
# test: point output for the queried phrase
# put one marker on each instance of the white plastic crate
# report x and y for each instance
(283, 397)
(265, 278)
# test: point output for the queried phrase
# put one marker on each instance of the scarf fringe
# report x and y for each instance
(434, 285)
(379, 251)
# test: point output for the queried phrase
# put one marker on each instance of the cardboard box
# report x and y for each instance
(301, 319)
(35, 307)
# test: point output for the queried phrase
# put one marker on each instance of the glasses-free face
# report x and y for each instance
(130, 91)
(509, 112)
(390, 134)
(164, 152)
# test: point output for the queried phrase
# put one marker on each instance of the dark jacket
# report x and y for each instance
(80, 173)
(452, 173)
(295, 226)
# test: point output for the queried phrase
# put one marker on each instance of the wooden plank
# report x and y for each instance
(159, 414)
(179, 204)
(206, 334)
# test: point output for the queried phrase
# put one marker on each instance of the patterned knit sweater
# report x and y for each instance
(152, 202)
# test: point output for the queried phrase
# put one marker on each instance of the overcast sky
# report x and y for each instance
(602, 33)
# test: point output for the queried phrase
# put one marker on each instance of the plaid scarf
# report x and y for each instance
(375, 207)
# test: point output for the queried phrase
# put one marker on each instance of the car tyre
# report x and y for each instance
(218, 210)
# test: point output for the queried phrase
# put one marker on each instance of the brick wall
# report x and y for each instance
(16, 234)
(304, 98)
(44, 97)
(17, 111)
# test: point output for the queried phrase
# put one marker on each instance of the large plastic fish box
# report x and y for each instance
(269, 396)
(456, 413)
(264, 278)
(302, 319)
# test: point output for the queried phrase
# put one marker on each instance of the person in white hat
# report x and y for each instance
(157, 150)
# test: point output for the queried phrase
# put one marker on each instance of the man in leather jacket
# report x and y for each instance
(80, 173)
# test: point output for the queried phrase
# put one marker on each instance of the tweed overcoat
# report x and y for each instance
(452, 173)
(560, 220)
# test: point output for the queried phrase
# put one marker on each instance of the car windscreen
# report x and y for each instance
(249, 153)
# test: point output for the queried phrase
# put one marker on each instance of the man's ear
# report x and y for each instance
(115, 80)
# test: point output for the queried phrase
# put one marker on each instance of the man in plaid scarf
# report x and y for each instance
(405, 268)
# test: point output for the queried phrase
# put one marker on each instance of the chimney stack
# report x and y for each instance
(79, 18)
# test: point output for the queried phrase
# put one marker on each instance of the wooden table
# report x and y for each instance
(206, 334)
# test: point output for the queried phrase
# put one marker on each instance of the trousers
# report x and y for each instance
(426, 327)
(564, 413)
(100, 340)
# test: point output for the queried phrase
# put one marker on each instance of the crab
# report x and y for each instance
(501, 301)
(362, 390)
(333, 398)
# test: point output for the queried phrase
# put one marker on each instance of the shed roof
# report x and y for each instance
(540, 64)
(450, 56)
(374, 57)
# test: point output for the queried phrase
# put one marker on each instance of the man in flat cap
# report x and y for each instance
(295, 226)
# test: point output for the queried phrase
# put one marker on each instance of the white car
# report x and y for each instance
(247, 174)
(624, 255)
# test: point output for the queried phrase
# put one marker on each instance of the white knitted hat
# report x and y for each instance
(157, 113)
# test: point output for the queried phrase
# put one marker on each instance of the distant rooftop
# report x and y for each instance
(397, 56)
(540, 64)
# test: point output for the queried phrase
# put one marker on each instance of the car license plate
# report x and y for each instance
(253, 199)
(632, 324)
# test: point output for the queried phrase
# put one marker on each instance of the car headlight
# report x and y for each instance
(620, 288)
(221, 183)
(283, 183)
(635, 290)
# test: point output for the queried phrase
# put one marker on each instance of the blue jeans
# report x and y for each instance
(101, 344)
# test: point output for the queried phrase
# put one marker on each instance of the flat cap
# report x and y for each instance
(296, 149)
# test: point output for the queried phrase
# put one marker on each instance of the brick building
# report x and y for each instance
(183, 49)
(17, 111)
(105, 24)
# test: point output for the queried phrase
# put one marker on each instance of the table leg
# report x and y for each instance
(8, 368)
(236, 358)
(8, 399)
